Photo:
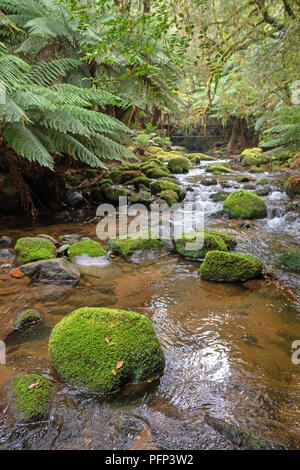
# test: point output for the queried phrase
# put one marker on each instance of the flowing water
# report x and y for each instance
(227, 347)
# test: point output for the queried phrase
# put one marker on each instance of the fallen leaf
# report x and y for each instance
(17, 273)
(149, 381)
(113, 372)
(33, 385)
(227, 421)
(107, 340)
(119, 364)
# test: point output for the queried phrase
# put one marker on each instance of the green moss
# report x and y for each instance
(245, 205)
(105, 182)
(157, 187)
(31, 249)
(206, 240)
(130, 166)
(219, 196)
(253, 157)
(171, 197)
(201, 156)
(156, 173)
(228, 239)
(127, 245)
(291, 259)
(28, 317)
(127, 176)
(113, 193)
(178, 164)
(195, 160)
(219, 168)
(32, 404)
(115, 176)
(292, 185)
(230, 267)
(86, 346)
(141, 180)
(89, 247)
(143, 197)
(262, 181)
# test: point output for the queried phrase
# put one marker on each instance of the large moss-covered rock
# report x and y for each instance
(230, 267)
(178, 164)
(245, 205)
(156, 187)
(88, 247)
(171, 197)
(291, 259)
(200, 156)
(143, 197)
(31, 249)
(101, 350)
(292, 186)
(127, 245)
(206, 241)
(113, 193)
(141, 182)
(219, 168)
(253, 157)
(30, 397)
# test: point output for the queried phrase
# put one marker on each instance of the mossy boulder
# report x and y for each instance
(253, 157)
(127, 245)
(31, 249)
(206, 241)
(171, 197)
(141, 181)
(130, 166)
(178, 164)
(200, 156)
(219, 168)
(230, 267)
(113, 193)
(30, 397)
(88, 247)
(245, 205)
(115, 176)
(263, 181)
(219, 196)
(292, 185)
(230, 242)
(27, 318)
(291, 259)
(143, 197)
(52, 271)
(100, 349)
(156, 187)
(157, 173)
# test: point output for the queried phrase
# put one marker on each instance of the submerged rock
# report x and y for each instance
(27, 318)
(209, 182)
(245, 205)
(230, 267)
(101, 350)
(5, 242)
(55, 271)
(219, 196)
(291, 259)
(29, 397)
(7, 257)
(31, 249)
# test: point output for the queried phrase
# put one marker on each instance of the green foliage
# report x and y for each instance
(101, 349)
(285, 134)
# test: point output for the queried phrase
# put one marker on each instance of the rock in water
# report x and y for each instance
(29, 397)
(100, 349)
(220, 266)
(245, 205)
(31, 249)
(54, 271)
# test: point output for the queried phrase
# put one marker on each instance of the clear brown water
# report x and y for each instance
(227, 347)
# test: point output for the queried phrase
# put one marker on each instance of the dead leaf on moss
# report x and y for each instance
(33, 385)
(119, 364)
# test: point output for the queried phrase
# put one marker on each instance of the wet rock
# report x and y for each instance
(244, 226)
(221, 214)
(79, 213)
(5, 242)
(28, 318)
(63, 250)
(209, 182)
(143, 197)
(292, 216)
(7, 257)
(250, 340)
(264, 191)
(29, 398)
(245, 205)
(69, 238)
(74, 199)
(219, 196)
(31, 249)
(49, 238)
(62, 215)
(56, 271)
(116, 347)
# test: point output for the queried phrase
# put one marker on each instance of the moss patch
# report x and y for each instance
(206, 240)
(28, 317)
(245, 205)
(291, 259)
(89, 247)
(292, 186)
(171, 197)
(157, 187)
(253, 157)
(127, 245)
(178, 165)
(101, 349)
(230, 267)
(31, 396)
(31, 249)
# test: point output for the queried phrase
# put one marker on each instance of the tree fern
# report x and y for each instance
(285, 134)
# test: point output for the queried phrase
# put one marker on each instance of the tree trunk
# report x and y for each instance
(234, 136)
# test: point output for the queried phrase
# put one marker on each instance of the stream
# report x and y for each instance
(227, 346)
